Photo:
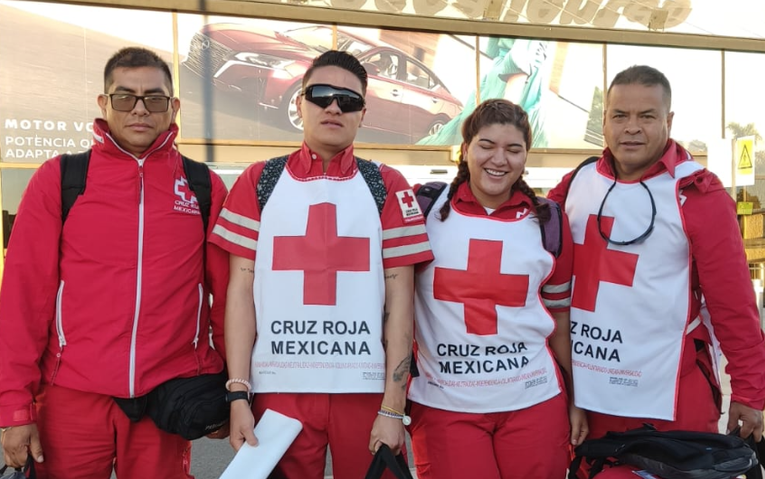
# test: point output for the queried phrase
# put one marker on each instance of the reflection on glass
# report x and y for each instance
(745, 120)
(696, 97)
(241, 78)
(556, 83)
(13, 181)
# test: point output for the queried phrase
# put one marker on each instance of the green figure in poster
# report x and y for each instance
(517, 74)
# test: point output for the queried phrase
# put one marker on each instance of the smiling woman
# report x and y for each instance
(491, 263)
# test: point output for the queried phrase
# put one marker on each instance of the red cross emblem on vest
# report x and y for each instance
(407, 199)
(594, 263)
(482, 287)
(321, 254)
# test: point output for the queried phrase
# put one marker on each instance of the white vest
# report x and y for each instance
(319, 330)
(474, 354)
(630, 304)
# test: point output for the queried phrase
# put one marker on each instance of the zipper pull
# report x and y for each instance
(140, 184)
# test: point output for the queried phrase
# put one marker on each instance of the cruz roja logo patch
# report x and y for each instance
(186, 201)
(409, 207)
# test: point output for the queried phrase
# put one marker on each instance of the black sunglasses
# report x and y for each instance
(323, 96)
(127, 101)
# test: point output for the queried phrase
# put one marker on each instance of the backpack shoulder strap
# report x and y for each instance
(427, 195)
(551, 229)
(581, 165)
(372, 176)
(198, 176)
(268, 178)
(74, 173)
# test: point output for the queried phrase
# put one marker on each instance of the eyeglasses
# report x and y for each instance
(640, 238)
(323, 96)
(128, 101)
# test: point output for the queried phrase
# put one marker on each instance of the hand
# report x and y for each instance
(751, 420)
(387, 430)
(19, 442)
(221, 433)
(242, 425)
(579, 428)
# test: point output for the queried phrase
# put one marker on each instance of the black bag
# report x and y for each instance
(384, 459)
(28, 472)
(190, 407)
(668, 454)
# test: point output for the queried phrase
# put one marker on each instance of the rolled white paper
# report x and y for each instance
(275, 433)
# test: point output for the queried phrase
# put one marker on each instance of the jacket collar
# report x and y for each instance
(103, 141)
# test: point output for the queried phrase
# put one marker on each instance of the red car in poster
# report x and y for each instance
(404, 96)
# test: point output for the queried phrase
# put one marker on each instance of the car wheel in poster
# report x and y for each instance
(289, 108)
(436, 126)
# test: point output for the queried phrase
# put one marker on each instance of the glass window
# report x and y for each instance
(319, 37)
(52, 59)
(13, 182)
(696, 88)
(383, 64)
(559, 84)
(239, 77)
(416, 75)
(745, 119)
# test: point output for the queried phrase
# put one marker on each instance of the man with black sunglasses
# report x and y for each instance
(113, 301)
(661, 281)
(320, 302)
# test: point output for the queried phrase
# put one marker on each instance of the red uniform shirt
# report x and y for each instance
(238, 227)
(720, 271)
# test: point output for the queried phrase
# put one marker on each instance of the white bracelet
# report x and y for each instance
(238, 381)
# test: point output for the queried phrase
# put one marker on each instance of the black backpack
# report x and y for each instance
(551, 229)
(74, 173)
(274, 167)
(668, 454)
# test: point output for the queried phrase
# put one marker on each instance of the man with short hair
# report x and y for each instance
(112, 302)
(660, 276)
(320, 302)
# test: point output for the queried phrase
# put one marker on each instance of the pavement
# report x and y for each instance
(210, 457)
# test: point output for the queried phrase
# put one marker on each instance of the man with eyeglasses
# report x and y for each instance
(320, 302)
(661, 281)
(113, 302)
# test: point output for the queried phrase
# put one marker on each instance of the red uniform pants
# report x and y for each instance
(341, 421)
(524, 444)
(86, 435)
(698, 409)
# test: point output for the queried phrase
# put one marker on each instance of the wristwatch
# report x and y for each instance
(232, 396)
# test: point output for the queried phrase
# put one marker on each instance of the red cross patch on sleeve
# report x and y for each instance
(408, 203)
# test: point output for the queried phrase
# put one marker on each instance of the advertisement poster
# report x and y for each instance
(239, 77)
(51, 71)
(558, 84)
(245, 74)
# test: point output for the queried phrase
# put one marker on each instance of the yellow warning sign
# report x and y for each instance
(744, 147)
(744, 208)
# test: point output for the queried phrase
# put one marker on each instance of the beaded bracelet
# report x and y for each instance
(404, 418)
(390, 409)
(238, 381)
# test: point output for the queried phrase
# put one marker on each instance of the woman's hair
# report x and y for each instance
(490, 112)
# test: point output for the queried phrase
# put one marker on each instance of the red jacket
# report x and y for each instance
(114, 302)
(720, 271)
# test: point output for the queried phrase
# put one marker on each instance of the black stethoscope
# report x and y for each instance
(640, 238)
